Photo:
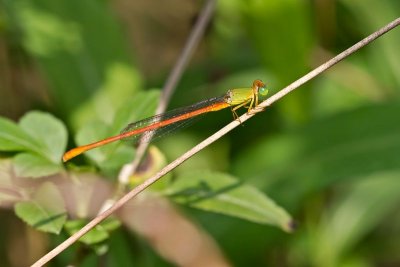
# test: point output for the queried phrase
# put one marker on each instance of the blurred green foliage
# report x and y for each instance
(327, 154)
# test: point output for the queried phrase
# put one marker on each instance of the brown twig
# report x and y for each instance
(172, 80)
(135, 191)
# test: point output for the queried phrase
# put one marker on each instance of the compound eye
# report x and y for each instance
(263, 90)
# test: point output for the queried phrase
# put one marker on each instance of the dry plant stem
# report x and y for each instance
(191, 44)
(210, 140)
(173, 78)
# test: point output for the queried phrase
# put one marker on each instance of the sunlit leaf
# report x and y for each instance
(113, 156)
(115, 160)
(111, 224)
(222, 193)
(141, 106)
(13, 138)
(98, 234)
(121, 82)
(93, 132)
(290, 51)
(48, 131)
(344, 147)
(45, 211)
(33, 165)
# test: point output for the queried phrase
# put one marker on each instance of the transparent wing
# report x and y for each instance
(151, 128)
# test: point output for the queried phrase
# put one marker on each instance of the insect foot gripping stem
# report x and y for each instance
(260, 91)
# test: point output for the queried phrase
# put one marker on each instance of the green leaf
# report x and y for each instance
(111, 224)
(12, 138)
(75, 56)
(48, 131)
(143, 105)
(221, 193)
(90, 133)
(115, 160)
(33, 165)
(121, 82)
(109, 157)
(113, 156)
(45, 211)
(292, 38)
(343, 147)
(98, 234)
